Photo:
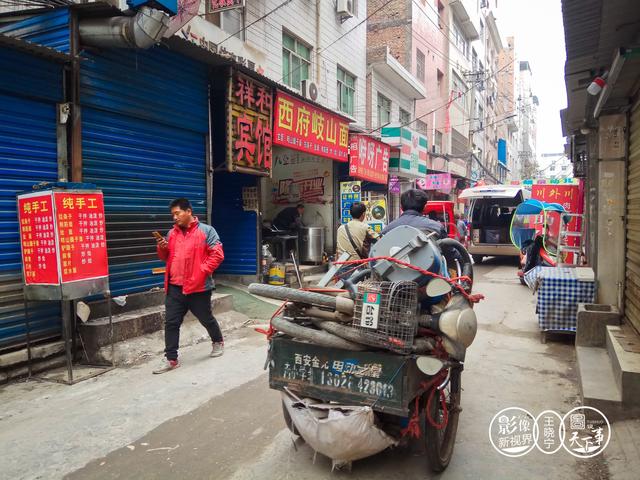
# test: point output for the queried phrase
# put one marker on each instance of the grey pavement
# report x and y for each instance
(217, 419)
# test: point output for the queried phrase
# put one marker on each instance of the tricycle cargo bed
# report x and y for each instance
(385, 381)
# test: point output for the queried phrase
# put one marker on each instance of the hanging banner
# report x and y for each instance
(249, 109)
(409, 151)
(300, 126)
(368, 159)
(436, 181)
(215, 6)
(350, 193)
(63, 237)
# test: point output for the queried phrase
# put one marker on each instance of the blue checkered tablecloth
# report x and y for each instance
(560, 290)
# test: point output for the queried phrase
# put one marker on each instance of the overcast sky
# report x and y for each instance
(539, 38)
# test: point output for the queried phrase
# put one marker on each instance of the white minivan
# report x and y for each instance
(491, 208)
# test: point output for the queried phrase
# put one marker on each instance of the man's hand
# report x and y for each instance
(162, 243)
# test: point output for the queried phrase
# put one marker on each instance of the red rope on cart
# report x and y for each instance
(413, 427)
(453, 281)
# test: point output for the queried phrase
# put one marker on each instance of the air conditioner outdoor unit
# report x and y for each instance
(344, 8)
(309, 90)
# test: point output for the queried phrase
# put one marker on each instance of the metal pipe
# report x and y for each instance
(327, 315)
(143, 30)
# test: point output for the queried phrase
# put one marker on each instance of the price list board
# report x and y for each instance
(82, 238)
(63, 237)
(37, 237)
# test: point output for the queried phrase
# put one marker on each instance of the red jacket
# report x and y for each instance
(203, 247)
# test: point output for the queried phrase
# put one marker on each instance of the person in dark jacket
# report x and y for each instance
(412, 203)
(289, 218)
(193, 251)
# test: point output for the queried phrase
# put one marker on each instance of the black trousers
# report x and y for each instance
(177, 305)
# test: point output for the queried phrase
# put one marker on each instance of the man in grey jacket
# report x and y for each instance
(412, 203)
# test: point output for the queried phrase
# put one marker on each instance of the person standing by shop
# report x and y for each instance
(355, 237)
(289, 218)
(461, 227)
(193, 251)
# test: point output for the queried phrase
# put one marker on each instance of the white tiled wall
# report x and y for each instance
(380, 85)
(299, 18)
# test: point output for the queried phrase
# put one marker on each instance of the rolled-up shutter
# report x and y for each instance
(632, 281)
(28, 155)
(144, 126)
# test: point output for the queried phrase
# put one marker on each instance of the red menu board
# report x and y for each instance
(369, 159)
(301, 126)
(82, 237)
(63, 237)
(37, 238)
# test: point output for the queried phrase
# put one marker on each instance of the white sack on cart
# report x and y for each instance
(342, 433)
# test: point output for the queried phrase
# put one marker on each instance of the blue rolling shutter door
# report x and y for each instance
(144, 126)
(28, 155)
(236, 227)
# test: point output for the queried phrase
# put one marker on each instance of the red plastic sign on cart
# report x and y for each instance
(63, 237)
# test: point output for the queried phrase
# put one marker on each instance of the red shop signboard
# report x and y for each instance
(369, 159)
(250, 108)
(63, 237)
(300, 126)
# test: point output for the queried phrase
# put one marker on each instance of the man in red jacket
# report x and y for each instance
(193, 252)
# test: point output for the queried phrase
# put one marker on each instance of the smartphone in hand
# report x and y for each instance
(160, 239)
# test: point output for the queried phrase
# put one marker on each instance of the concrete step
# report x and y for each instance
(312, 280)
(43, 356)
(307, 269)
(626, 363)
(597, 384)
(96, 333)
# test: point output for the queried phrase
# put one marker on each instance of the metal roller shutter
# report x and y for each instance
(632, 283)
(144, 125)
(236, 227)
(28, 153)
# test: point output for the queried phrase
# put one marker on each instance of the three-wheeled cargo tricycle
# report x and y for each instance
(377, 362)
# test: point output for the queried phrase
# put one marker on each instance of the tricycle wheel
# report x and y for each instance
(477, 258)
(440, 441)
(288, 421)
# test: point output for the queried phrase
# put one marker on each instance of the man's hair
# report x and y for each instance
(181, 203)
(413, 199)
(357, 209)
(300, 205)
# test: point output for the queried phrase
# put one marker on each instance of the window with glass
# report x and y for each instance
(459, 88)
(296, 61)
(231, 21)
(404, 116)
(384, 110)
(346, 91)
(420, 65)
(460, 40)
(438, 141)
(421, 127)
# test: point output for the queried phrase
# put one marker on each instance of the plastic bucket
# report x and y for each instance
(276, 274)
